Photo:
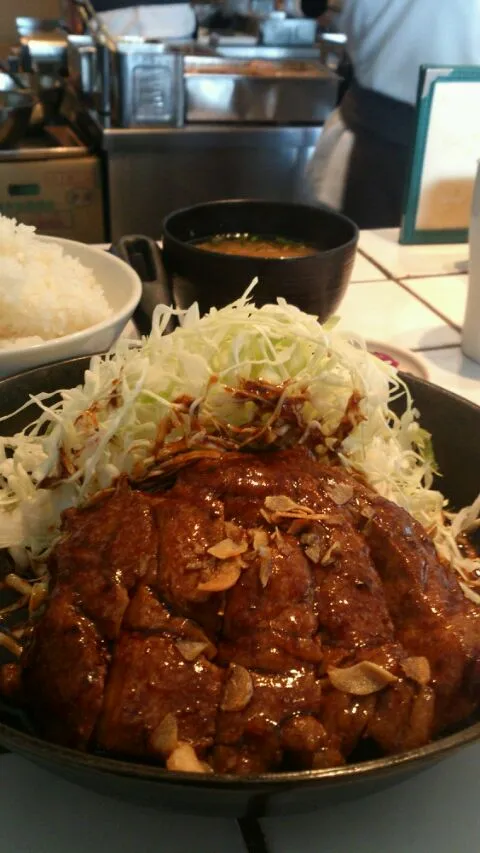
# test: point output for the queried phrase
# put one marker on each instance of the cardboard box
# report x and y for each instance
(61, 197)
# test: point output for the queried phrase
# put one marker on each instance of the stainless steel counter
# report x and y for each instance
(192, 137)
(152, 172)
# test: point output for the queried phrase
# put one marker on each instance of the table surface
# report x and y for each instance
(413, 297)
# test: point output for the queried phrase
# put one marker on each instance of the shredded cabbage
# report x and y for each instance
(147, 398)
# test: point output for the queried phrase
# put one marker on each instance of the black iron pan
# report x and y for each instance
(455, 424)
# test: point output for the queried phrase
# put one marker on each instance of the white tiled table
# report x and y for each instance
(364, 270)
(419, 304)
(382, 247)
(414, 297)
(383, 310)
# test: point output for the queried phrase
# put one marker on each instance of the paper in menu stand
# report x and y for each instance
(444, 157)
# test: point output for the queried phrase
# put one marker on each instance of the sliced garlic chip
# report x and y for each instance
(233, 531)
(184, 759)
(361, 679)
(164, 738)
(238, 689)
(282, 507)
(313, 546)
(189, 649)
(418, 669)
(260, 538)
(340, 493)
(282, 503)
(313, 552)
(265, 566)
(226, 577)
(227, 548)
(329, 555)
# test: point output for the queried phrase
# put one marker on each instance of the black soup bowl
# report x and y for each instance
(447, 417)
(314, 283)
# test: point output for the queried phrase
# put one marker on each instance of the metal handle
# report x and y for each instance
(143, 254)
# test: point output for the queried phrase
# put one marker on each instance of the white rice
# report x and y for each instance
(44, 293)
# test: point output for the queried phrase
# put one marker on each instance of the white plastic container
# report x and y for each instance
(471, 323)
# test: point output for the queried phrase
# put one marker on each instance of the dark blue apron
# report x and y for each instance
(384, 130)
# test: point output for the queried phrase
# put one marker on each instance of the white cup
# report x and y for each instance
(471, 323)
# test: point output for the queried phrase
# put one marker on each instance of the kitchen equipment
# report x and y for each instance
(271, 52)
(148, 84)
(279, 29)
(44, 53)
(82, 66)
(50, 90)
(333, 49)
(16, 106)
(315, 283)
(122, 289)
(269, 25)
(140, 82)
(447, 417)
(28, 26)
(56, 142)
(51, 181)
(46, 89)
(105, 48)
(258, 90)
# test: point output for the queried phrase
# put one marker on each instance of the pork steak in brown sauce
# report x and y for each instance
(266, 612)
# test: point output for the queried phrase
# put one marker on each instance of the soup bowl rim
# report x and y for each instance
(186, 245)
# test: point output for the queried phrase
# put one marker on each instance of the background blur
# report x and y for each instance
(36, 8)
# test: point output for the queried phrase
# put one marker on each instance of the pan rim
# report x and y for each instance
(40, 748)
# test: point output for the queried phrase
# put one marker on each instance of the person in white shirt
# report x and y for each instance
(361, 160)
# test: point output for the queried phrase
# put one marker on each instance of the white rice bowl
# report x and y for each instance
(45, 293)
(58, 298)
